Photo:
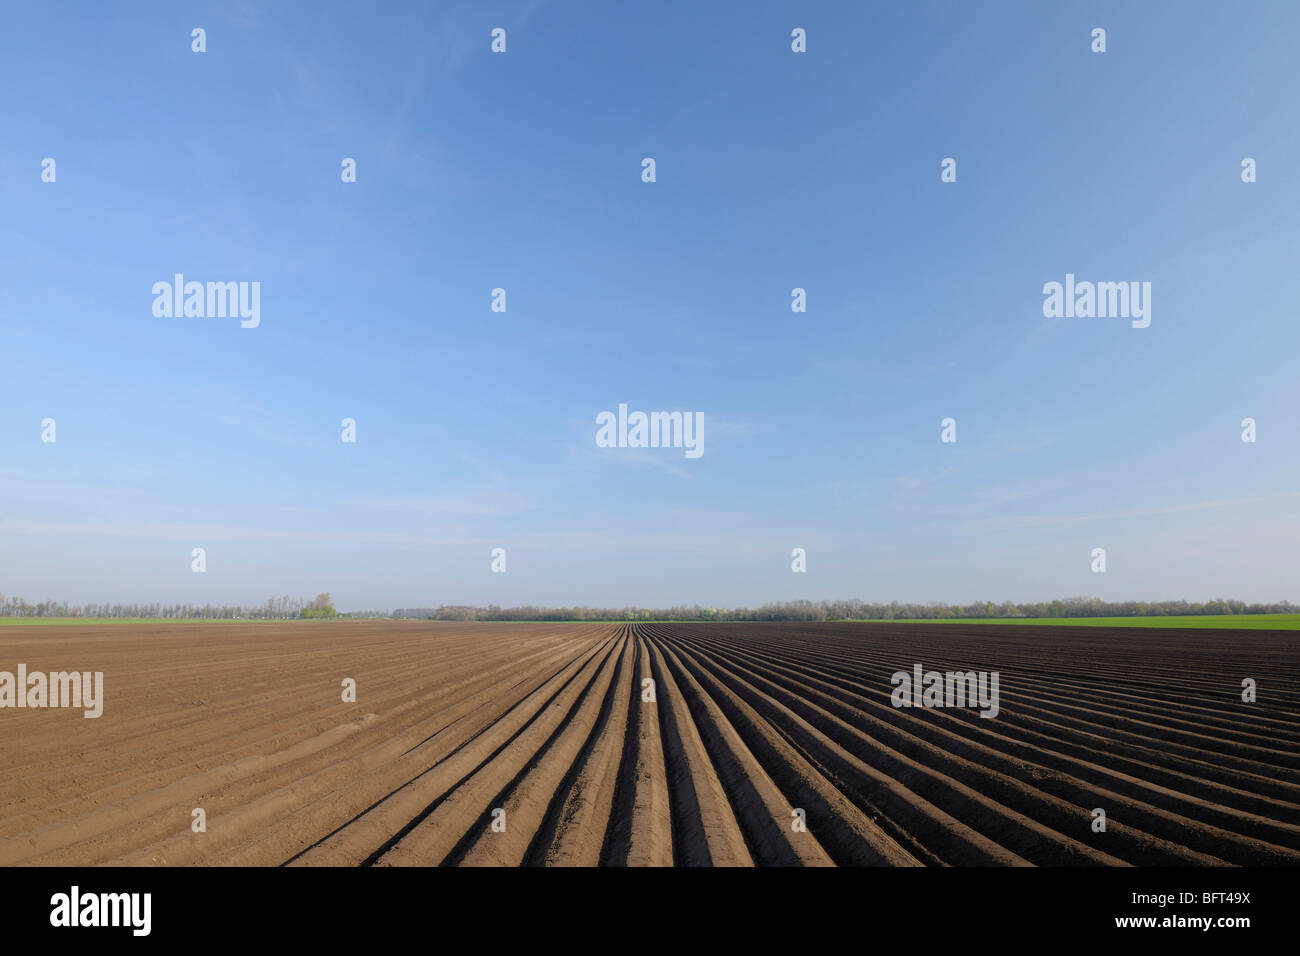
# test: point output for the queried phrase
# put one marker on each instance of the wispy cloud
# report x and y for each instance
(474, 503)
(1059, 522)
(264, 432)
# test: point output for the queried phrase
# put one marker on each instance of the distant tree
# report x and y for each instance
(322, 607)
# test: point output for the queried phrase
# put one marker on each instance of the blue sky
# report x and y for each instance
(775, 170)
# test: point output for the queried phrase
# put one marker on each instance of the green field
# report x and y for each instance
(1271, 622)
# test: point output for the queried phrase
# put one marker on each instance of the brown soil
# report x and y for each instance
(749, 724)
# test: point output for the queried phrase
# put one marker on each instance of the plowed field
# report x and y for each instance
(751, 729)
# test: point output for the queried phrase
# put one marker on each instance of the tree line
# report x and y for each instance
(850, 610)
(286, 608)
(275, 608)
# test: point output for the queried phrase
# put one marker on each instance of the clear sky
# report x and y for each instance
(775, 170)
